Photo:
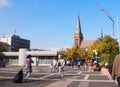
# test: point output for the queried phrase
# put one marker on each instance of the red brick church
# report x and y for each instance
(78, 37)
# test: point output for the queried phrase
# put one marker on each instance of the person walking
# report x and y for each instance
(28, 66)
(89, 64)
(72, 63)
(61, 64)
(54, 64)
(116, 69)
(78, 64)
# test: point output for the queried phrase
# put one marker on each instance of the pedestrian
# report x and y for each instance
(72, 63)
(89, 64)
(116, 69)
(51, 68)
(61, 64)
(54, 64)
(28, 66)
(78, 64)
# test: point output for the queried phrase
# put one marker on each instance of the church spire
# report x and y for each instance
(78, 37)
(78, 27)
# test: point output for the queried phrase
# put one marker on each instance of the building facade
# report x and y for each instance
(15, 42)
(39, 57)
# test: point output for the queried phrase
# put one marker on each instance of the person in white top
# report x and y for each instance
(54, 64)
(61, 64)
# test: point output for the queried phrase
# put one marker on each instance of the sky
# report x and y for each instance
(52, 23)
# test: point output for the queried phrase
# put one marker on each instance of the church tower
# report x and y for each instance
(78, 36)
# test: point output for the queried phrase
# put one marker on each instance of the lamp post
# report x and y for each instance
(96, 58)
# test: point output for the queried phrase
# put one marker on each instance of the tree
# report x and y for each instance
(2, 48)
(74, 53)
(107, 49)
(110, 47)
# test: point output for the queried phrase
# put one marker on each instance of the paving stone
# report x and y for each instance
(81, 77)
(83, 84)
(74, 84)
(102, 84)
(29, 83)
(97, 77)
(41, 77)
(91, 73)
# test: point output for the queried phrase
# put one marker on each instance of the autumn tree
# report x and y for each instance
(107, 49)
(110, 48)
(74, 53)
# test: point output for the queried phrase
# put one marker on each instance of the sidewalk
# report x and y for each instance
(85, 79)
(41, 77)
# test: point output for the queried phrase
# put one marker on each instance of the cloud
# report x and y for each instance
(5, 3)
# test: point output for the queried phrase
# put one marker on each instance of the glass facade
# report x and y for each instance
(11, 60)
(17, 42)
(42, 60)
(45, 59)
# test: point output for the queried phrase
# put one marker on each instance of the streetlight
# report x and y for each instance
(96, 58)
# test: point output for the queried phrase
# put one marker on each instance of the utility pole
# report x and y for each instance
(107, 16)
